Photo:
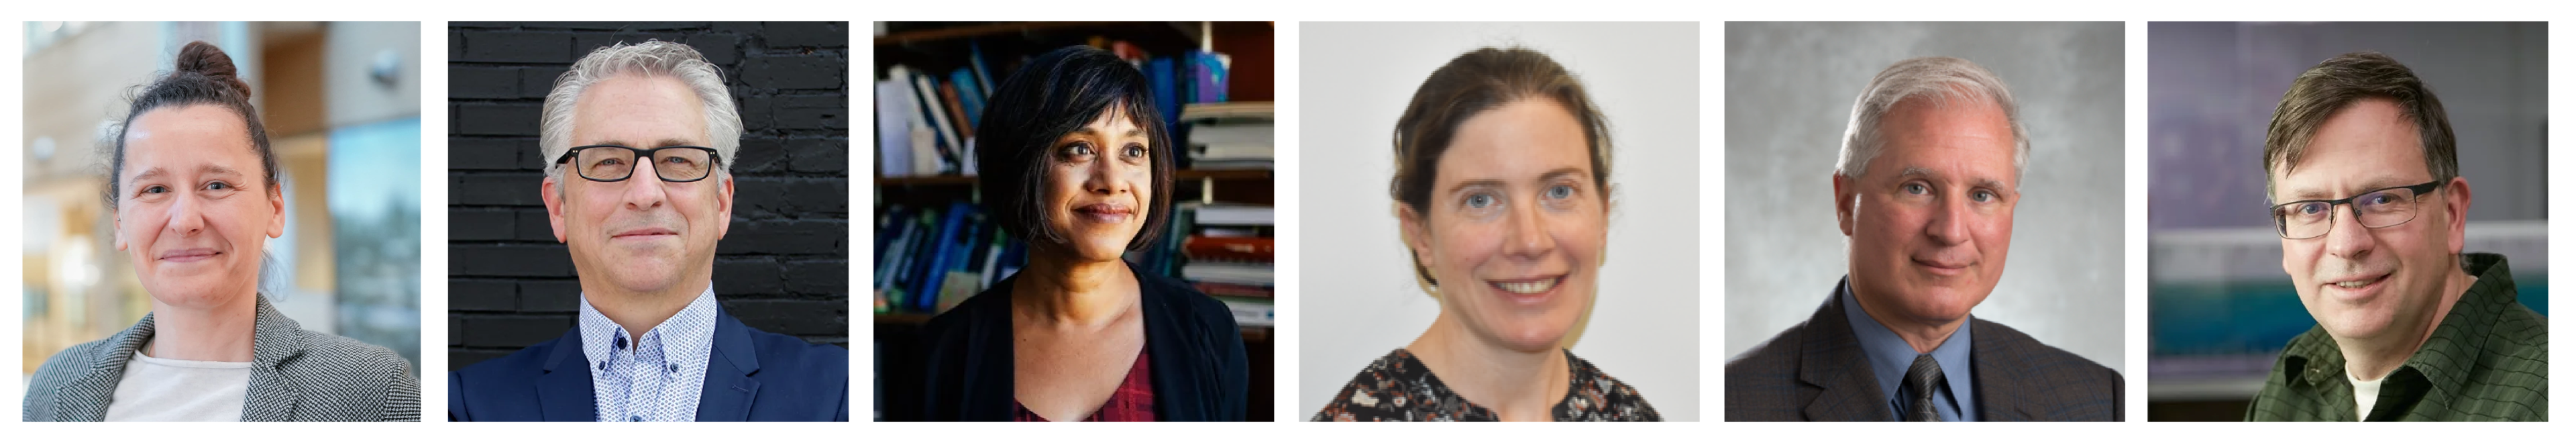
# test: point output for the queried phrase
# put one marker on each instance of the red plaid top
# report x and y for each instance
(1134, 400)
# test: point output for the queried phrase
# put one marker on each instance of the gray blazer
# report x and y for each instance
(296, 375)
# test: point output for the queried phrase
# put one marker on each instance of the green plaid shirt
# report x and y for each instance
(2487, 361)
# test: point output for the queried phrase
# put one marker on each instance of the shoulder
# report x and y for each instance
(951, 327)
(66, 365)
(520, 368)
(1601, 397)
(334, 354)
(2053, 366)
(1188, 300)
(781, 351)
(1773, 360)
(1385, 390)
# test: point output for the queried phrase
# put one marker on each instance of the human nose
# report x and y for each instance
(1103, 178)
(1526, 236)
(644, 187)
(2345, 237)
(187, 217)
(1949, 223)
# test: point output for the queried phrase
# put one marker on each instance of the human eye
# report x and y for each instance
(1076, 149)
(1560, 191)
(1915, 188)
(1481, 201)
(1982, 195)
(153, 189)
(218, 186)
(1134, 151)
(2310, 208)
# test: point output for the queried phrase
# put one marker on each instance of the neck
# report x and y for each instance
(639, 312)
(1516, 385)
(205, 333)
(1923, 336)
(2373, 358)
(1062, 289)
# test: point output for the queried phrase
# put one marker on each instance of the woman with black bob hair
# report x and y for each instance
(1076, 161)
(193, 185)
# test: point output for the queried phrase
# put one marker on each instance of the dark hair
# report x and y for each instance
(203, 75)
(1050, 96)
(1471, 84)
(2334, 85)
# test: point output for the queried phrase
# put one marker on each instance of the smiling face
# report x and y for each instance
(1099, 180)
(642, 234)
(194, 207)
(1515, 226)
(1930, 220)
(2365, 283)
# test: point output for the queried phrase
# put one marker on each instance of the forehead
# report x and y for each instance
(205, 132)
(1112, 120)
(1524, 137)
(638, 110)
(2370, 143)
(1969, 137)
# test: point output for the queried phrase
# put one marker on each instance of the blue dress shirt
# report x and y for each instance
(656, 376)
(1890, 357)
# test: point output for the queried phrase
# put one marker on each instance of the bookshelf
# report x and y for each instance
(959, 59)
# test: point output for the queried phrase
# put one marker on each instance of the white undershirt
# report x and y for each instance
(160, 389)
(2365, 394)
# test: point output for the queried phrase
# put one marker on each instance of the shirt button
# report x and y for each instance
(634, 418)
(620, 343)
(674, 367)
(603, 366)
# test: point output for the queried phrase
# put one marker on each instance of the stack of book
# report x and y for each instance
(1229, 256)
(1229, 135)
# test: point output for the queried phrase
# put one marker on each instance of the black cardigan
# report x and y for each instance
(1200, 369)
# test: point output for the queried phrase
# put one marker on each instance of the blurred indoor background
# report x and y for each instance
(2220, 309)
(342, 105)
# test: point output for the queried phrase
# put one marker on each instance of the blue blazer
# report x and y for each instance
(753, 376)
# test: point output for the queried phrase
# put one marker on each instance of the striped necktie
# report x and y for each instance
(1921, 379)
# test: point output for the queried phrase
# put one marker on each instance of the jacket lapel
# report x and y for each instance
(1999, 394)
(989, 391)
(275, 340)
(1831, 362)
(563, 389)
(87, 399)
(729, 386)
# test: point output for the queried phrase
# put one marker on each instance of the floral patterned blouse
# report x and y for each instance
(1398, 388)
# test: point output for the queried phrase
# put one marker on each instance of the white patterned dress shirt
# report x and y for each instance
(657, 376)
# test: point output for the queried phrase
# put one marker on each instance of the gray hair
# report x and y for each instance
(1938, 79)
(650, 58)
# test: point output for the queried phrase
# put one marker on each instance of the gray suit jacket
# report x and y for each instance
(1815, 371)
(296, 375)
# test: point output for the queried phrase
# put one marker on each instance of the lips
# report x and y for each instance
(1106, 212)
(2355, 286)
(189, 255)
(1528, 290)
(1942, 266)
(644, 233)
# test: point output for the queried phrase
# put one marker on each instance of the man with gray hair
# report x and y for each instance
(1930, 171)
(639, 138)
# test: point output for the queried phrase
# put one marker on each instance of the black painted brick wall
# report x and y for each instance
(783, 268)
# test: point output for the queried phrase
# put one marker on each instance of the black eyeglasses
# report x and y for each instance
(2377, 208)
(608, 163)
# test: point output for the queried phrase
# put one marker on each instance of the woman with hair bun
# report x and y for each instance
(194, 189)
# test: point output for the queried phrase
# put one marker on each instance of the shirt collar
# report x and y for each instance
(678, 339)
(1890, 356)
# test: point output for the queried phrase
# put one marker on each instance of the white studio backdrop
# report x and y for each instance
(1789, 93)
(1358, 298)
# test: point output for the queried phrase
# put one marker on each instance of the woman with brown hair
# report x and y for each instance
(194, 187)
(1502, 190)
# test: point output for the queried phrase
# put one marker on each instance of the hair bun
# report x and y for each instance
(206, 59)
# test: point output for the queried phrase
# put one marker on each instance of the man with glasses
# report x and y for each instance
(639, 138)
(2371, 209)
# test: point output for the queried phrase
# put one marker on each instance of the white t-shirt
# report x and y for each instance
(2365, 394)
(159, 389)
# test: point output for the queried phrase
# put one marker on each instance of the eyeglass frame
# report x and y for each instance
(2281, 225)
(715, 161)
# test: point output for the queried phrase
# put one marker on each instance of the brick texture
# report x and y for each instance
(783, 268)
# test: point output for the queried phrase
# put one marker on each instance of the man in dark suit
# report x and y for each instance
(639, 137)
(1925, 189)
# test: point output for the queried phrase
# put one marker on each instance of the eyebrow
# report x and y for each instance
(2323, 194)
(668, 142)
(1131, 133)
(1918, 171)
(157, 172)
(1559, 173)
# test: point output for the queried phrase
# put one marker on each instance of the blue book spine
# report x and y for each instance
(931, 272)
(1167, 94)
(975, 60)
(969, 95)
